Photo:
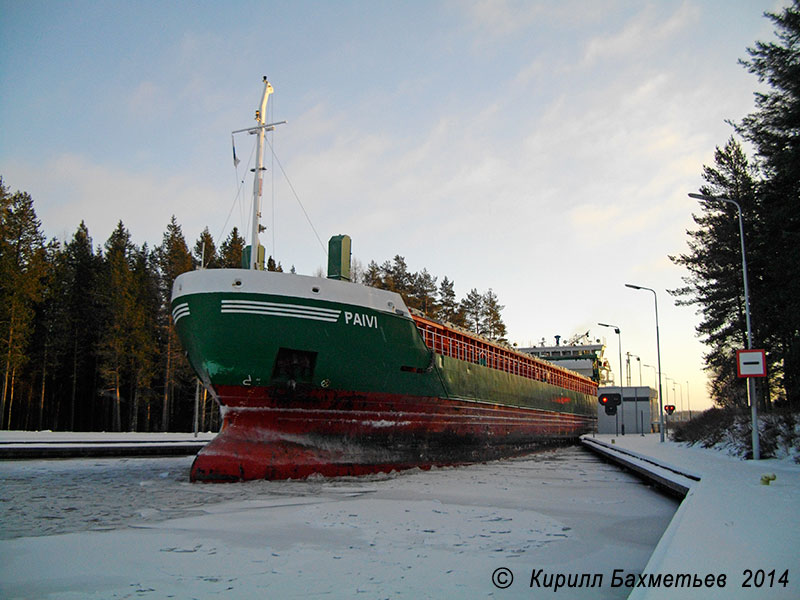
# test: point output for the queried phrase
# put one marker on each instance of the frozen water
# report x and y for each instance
(413, 534)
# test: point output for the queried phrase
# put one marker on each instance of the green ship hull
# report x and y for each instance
(322, 376)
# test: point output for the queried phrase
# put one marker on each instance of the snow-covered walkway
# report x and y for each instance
(729, 526)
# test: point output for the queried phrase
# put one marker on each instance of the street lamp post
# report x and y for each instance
(688, 404)
(621, 391)
(636, 393)
(655, 384)
(639, 360)
(668, 379)
(658, 351)
(628, 369)
(751, 384)
(655, 373)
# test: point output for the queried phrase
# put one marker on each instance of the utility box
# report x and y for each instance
(339, 258)
(636, 413)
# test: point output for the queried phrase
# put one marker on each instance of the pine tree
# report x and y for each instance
(395, 276)
(423, 292)
(174, 259)
(714, 260)
(774, 130)
(771, 230)
(230, 253)
(492, 320)
(472, 307)
(22, 267)
(143, 347)
(82, 299)
(52, 337)
(118, 302)
(449, 307)
(205, 251)
(372, 276)
(773, 127)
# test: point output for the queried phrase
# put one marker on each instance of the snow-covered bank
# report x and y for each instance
(419, 534)
(50, 444)
(730, 430)
(729, 524)
(84, 437)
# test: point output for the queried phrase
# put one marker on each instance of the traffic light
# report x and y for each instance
(610, 402)
(610, 399)
(669, 408)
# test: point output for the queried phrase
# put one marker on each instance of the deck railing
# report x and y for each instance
(462, 346)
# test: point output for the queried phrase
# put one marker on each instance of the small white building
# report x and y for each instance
(638, 412)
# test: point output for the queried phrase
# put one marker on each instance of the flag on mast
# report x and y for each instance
(236, 161)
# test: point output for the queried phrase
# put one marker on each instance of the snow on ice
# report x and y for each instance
(136, 528)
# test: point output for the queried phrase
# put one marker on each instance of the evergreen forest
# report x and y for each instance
(87, 338)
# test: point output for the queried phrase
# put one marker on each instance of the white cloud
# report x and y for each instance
(640, 34)
(502, 17)
(144, 98)
(78, 189)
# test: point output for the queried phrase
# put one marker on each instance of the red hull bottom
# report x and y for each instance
(282, 434)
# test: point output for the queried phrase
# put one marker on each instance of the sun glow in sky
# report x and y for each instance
(543, 149)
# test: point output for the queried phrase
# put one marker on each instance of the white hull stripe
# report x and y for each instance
(275, 309)
(180, 310)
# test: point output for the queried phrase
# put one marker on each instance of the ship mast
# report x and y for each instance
(261, 114)
(260, 130)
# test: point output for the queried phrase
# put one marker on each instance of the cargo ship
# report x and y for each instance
(319, 375)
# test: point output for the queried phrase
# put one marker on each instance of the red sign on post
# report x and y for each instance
(751, 363)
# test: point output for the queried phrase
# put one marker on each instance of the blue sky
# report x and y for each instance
(541, 149)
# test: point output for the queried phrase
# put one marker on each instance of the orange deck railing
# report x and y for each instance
(464, 346)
